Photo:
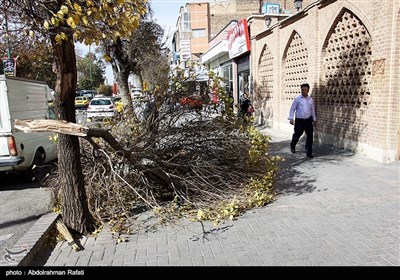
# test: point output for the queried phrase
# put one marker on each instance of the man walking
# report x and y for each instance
(305, 119)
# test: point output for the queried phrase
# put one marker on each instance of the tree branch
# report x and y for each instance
(74, 129)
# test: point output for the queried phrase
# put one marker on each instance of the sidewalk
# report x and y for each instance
(337, 209)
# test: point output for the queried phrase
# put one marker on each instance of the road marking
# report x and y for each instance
(4, 238)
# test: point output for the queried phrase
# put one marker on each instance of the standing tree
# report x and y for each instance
(155, 70)
(91, 71)
(62, 23)
(130, 55)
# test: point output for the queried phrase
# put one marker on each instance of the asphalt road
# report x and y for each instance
(21, 205)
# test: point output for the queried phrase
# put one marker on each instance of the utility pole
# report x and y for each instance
(90, 68)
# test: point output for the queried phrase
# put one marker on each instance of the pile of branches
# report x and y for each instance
(207, 164)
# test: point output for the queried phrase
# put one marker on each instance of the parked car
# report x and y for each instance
(82, 102)
(101, 107)
(136, 94)
(86, 92)
(25, 153)
(192, 102)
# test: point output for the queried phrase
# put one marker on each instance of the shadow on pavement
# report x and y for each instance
(291, 178)
(21, 221)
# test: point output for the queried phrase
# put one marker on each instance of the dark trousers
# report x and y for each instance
(300, 126)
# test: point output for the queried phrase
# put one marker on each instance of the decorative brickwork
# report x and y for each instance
(348, 66)
(266, 72)
(296, 67)
(350, 55)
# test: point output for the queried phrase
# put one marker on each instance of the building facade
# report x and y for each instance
(224, 11)
(349, 52)
(192, 34)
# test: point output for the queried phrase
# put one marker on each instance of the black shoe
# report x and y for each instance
(310, 155)
(293, 150)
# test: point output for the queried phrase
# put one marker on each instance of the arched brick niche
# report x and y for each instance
(344, 96)
(347, 64)
(264, 89)
(295, 61)
(266, 75)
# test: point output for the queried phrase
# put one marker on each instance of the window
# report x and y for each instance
(199, 33)
(186, 22)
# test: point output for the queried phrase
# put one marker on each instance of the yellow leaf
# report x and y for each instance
(200, 214)
(77, 7)
(64, 9)
(71, 22)
(75, 36)
(31, 33)
(63, 36)
(60, 14)
(107, 58)
(58, 38)
(85, 21)
(46, 24)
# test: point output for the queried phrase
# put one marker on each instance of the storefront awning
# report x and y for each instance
(216, 52)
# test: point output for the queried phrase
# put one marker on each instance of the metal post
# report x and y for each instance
(90, 68)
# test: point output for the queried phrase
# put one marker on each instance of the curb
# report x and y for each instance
(24, 251)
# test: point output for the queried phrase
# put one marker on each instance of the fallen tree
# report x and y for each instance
(206, 165)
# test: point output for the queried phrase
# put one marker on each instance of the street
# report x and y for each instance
(21, 205)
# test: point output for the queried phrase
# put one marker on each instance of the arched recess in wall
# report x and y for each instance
(344, 96)
(295, 63)
(265, 87)
(347, 63)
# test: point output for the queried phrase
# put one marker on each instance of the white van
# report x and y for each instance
(24, 152)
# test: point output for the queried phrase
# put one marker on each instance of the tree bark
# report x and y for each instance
(121, 70)
(122, 81)
(74, 204)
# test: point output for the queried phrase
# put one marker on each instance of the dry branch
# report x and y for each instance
(57, 126)
(173, 157)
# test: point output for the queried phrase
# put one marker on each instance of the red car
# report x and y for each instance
(191, 102)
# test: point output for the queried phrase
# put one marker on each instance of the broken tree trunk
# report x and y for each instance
(75, 129)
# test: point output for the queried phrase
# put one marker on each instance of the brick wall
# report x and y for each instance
(350, 55)
(222, 12)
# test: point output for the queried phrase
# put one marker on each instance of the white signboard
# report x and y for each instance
(185, 50)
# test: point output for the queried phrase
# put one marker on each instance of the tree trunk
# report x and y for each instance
(122, 81)
(75, 210)
(121, 70)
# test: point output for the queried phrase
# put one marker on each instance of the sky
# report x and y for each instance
(166, 13)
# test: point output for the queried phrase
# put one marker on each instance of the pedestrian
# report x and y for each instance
(246, 108)
(304, 110)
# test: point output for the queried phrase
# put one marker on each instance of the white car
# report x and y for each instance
(25, 153)
(136, 94)
(100, 107)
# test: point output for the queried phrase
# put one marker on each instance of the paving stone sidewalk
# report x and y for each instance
(337, 209)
